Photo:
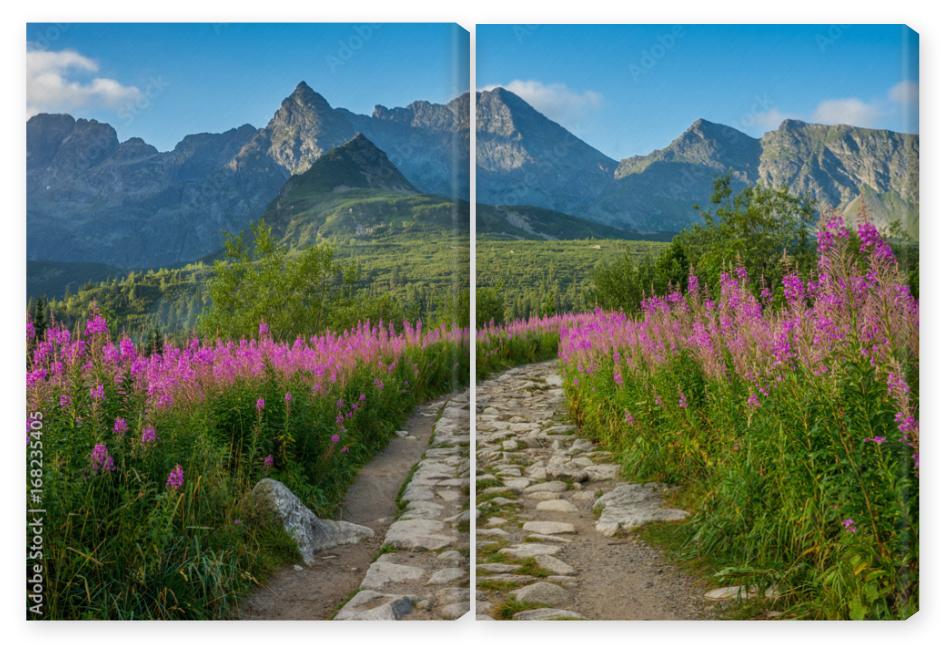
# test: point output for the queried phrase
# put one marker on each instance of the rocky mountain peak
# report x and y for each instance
(356, 164)
(306, 97)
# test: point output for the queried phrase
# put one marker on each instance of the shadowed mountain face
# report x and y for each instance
(525, 158)
(354, 191)
(92, 198)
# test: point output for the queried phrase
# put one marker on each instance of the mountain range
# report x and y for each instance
(94, 199)
(524, 157)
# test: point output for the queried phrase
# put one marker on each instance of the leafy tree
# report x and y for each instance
(767, 231)
(296, 294)
(489, 306)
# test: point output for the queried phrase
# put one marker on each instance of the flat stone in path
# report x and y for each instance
(493, 567)
(549, 527)
(542, 593)
(553, 564)
(547, 486)
(373, 605)
(447, 575)
(418, 534)
(548, 614)
(556, 505)
(381, 574)
(632, 505)
(524, 551)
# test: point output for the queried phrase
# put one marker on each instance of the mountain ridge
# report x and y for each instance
(842, 168)
(91, 198)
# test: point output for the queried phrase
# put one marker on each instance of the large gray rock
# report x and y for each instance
(311, 533)
(632, 505)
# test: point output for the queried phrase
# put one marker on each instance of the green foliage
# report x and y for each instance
(294, 294)
(488, 307)
(122, 545)
(543, 277)
(496, 352)
(767, 231)
(772, 486)
(404, 277)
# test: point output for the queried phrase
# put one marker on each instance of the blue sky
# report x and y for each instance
(630, 89)
(163, 81)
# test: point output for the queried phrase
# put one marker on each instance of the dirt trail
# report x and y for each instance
(540, 491)
(318, 591)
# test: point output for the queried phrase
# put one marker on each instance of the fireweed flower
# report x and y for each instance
(692, 284)
(97, 393)
(335, 438)
(268, 462)
(850, 525)
(753, 401)
(877, 440)
(379, 384)
(683, 403)
(101, 461)
(176, 478)
(288, 397)
(260, 405)
(896, 385)
(96, 326)
(120, 426)
(263, 329)
(628, 417)
(794, 288)
(149, 435)
(65, 401)
(345, 449)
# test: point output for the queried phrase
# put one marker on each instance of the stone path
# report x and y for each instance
(422, 570)
(553, 516)
(415, 564)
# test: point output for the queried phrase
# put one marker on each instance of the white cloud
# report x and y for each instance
(904, 93)
(902, 99)
(766, 120)
(556, 101)
(59, 82)
(850, 111)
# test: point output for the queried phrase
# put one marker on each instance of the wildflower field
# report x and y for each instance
(147, 460)
(788, 420)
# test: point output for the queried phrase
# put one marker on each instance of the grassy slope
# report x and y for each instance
(527, 269)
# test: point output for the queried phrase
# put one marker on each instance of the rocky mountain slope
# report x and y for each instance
(525, 158)
(92, 198)
(354, 191)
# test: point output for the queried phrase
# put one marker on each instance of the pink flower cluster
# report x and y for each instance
(852, 305)
(189, 372)
(548, 324)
